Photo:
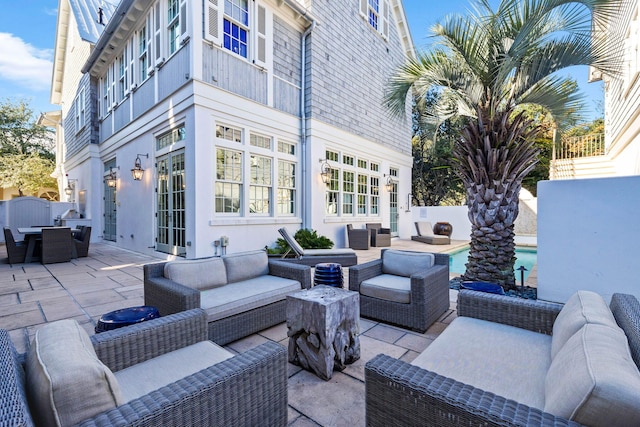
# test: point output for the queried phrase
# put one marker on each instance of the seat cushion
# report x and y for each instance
(404, 263)
(324, 252)
(466, 351)
(143, 378)
(246, 265)
(388, 287)
(593, 380)
(66, 381)
(240, 297)
(582, 307)
(200, 274)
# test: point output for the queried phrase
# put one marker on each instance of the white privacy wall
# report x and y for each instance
(588, 237)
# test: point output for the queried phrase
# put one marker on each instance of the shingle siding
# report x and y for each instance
(348, 68)
(76, 139)
(286, 51)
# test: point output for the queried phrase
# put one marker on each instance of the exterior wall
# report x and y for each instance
(622, 93)
(75, 138)
(349, 64)
(587, 237)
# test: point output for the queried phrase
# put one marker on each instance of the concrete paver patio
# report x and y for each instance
(111, 278)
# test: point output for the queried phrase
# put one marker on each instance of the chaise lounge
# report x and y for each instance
(510, 361)
(425, 234)
(345, 257)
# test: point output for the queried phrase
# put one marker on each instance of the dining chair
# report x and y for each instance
(57, 245)
(82, 241)
(16, 251)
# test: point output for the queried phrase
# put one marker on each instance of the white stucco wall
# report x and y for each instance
(588, 233)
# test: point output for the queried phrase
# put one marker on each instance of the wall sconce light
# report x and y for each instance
(389, 183)
(111, 179)
(71, 186)
(324, 171)
(137, 172)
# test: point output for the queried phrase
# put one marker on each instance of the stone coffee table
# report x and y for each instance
(324, 323)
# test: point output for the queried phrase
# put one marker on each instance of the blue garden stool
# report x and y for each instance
(491, 288)
(125, 317)
(329, 274)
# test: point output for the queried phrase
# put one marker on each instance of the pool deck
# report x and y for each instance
(111, 278)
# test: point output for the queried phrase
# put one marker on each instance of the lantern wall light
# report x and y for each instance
(111, 179)
(325, 171)
(137, 172)
(389, 183)
(71, 186)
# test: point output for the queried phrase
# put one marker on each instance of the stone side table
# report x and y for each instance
(323, 323)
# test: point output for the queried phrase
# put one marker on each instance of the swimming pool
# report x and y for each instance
(526, 256)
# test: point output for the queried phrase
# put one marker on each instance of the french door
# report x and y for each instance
(394, 215)
(171, 204)
(110, 209)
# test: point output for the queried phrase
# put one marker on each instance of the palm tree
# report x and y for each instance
(485, 66)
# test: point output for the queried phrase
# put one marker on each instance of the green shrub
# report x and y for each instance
(308, 239)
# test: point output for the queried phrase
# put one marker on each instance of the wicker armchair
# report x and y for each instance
(358, 238)
(245, 390)
(395, 294)
(16, 251)
(82, 241)
(380, 236)
(57, 245)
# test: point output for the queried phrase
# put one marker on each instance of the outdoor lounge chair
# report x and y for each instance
(425, 235)
(16, 251)
(405, 288)
(358, 238)
(345, 257)
(380, 236)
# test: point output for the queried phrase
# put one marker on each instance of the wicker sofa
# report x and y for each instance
(245, 389)
(242, 293)
(508, 361)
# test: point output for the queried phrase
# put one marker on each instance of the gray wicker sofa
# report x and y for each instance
(242, 293)
(246, 389)
(491, 365)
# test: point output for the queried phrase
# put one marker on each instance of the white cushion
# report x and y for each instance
(388, 287)
(198, 274)
(324, 252)
(66, 381)
(468, 351)
(246, 265)
(593, 380)
(424, 228)
(143, 378)
(582, 307)
(404, 263)
(240, 297)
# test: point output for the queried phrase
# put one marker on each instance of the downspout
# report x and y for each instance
(306, 221)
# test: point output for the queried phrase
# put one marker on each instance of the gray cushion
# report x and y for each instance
(243, 296)
(198, 274)
(582, 307)
(66, 381)
(467, 352)
(324, 252)
(388, 287)
(143, 378)
(404, 263)
(246, 265)
(593, 380)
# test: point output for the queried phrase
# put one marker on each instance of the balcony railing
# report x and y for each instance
(577, 147)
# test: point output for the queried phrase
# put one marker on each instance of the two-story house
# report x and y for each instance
(188, 124)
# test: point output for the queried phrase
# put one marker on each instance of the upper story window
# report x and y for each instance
(79, 104)
(236, 24)
(173, 27)
(376, 13)
(143, 53)
(239, 26)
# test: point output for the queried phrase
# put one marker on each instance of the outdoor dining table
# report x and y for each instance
(31, 235)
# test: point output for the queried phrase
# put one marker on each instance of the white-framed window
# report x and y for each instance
(176, 24)
(256, 175)
(228, 186)
(286, 187)
(354, 186)
(122, 79)
(376, 13)
(260, 185)
(235, 27)
(79, 104)
(143, 53)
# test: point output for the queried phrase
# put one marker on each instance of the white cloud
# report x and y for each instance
(24, 64)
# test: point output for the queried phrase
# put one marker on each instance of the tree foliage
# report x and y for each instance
(27, 156)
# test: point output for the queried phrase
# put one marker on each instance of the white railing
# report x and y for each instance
(577, 147)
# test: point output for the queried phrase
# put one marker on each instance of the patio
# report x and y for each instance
(111, 278)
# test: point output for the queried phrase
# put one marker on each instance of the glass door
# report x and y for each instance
(110, 210)
(171, 204)
(393, 203)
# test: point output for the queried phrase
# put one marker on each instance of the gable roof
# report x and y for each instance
(86, 17)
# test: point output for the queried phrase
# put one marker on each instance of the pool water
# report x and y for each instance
(526, 257)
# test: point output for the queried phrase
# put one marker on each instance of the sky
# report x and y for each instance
(28, 29)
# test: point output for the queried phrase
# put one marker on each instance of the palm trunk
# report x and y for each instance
(492, 212)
